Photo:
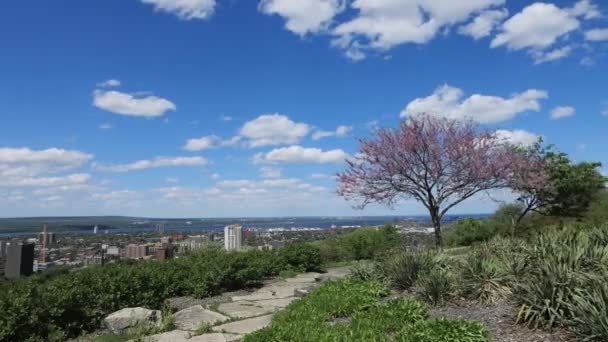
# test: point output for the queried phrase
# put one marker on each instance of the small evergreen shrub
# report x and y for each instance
(403, 269)
(435, 286)
(443, 330)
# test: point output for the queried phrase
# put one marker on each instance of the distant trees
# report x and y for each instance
(440, 162)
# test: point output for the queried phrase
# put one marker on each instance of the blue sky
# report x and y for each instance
(206, 108)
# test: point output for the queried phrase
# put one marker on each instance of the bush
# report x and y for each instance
(469, 231)
(402, 270)
(484, 277)
(367, 243)
(69, 304)
(442, 330)
(589, 310)
(302, 257)
(365, 270)
(435, 286)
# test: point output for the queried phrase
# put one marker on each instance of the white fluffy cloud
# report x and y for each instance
(153, 163)
(562, 112)
(303, 17)
(203, 143)
(540, 26)
(299, 154)
(517, 137)
(597, 34)
(484, 24)
(383, 24)
(273, 129)
(132, 105)
(24, 167)
(450, 102)
(340, 131)
(185, 9)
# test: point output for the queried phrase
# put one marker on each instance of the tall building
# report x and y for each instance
(19, 259)
(2, 257)
(136, 251)
(232, 237)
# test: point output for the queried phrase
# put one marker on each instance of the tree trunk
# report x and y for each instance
(437, 227)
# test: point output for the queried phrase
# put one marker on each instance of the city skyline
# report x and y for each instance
(208, 108)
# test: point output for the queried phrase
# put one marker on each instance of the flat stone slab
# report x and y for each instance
(120, 322)
(245, 309)
(333, 274)
(273, 291)
(216, 337)
(245, 326)
(279, 303)
(192, 318)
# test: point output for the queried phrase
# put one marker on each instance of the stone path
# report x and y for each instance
(243, 314)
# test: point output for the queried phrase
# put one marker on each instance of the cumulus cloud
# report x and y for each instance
(273, 129)
(184, 9)
(517, 137)
(153, 163)
(299, 154)
(302, 17)
(130, 104)
(539, 26)
(561, 112)
(381, 25)
(450, 102)
(340, 131)
(597, 34)
(109, 83)
(484, 24)
(25, 162)
(202, 143)
(106, 126)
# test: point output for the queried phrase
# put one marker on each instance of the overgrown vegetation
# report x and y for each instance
(68, 304)
(355, 314)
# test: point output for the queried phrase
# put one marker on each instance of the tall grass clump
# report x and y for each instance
(484, 277)
(563, 285)
(402, 270)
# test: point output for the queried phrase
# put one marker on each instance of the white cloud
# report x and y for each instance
(341, 131)
(109, 83)
(597, 34)
(303, 17)
(106, 126)
(270, 172)
(484, 24)
(321, 176)
(381, 25)
(273, 129)
(215, 176)
(131, 104)
(537, 26)
(226, 118)
(450, 102)
(73, 179)
(185, 9)
(299, 154)
(154, 163)
(25, 162)
(171, 180)
(552, 55)
(517, 137)
(202, 143)
(584, 8)
(562, 112)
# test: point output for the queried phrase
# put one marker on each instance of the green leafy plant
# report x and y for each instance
(402, 270)
(435, 286)
(442, 330)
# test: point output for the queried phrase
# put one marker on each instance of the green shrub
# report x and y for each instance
(367, 243)
(303, 257)
(435, 286)
(387, 319)
(442, 330)
(589, 308)
(365, 270)
(403, 269)
(469, 231)
(484, 277)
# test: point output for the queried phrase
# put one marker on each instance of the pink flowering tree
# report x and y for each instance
(439, 162)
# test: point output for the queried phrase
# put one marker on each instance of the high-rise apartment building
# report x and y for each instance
(232, 237)
(19, 259)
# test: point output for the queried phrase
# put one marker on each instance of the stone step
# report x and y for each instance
(244, 327)
(191, 318)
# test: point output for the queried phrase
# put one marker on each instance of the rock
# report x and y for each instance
(272, 291)
(181, 303)
(301, 292)
(185, 336)
(333, 274)
(304, 278)
(245, 309)
(120, 322)
(246, 326)
(279, 303)
(216, 337)
(192, 318)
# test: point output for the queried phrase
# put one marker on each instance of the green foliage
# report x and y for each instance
(365, 243)
(365, 270)
(597, 215)
(203, 328)
(348, 310)
(402, 269)
(442, 330)
(469, 231)
(68, 304)
(484, 277)
(435, 286)
(302, 257)
(589, 309)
